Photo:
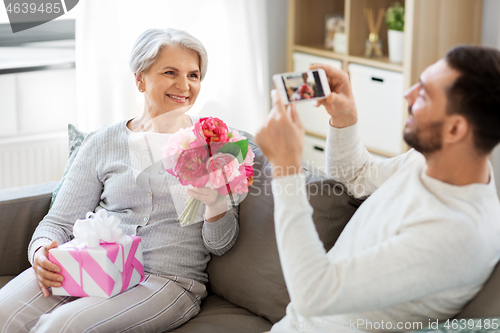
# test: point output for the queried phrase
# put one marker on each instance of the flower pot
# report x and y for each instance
(396, 43)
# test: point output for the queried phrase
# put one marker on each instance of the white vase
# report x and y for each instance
(340, 42)
(396, 43)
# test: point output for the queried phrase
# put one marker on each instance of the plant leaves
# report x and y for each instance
(243, 144)
(233, 149)
(395, 17)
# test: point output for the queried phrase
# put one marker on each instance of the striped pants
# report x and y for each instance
(158, 304)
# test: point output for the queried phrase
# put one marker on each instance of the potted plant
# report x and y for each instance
(395, 20)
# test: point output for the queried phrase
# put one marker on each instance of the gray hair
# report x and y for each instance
(149, 44)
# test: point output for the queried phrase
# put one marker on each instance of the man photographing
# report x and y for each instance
(426, 239)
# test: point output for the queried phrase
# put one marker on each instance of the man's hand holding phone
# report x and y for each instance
(340, 102)
(46, 272)
(281, 138)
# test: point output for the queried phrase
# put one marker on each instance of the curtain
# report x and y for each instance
(236, 88)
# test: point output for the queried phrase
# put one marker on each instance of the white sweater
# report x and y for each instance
(416, 250)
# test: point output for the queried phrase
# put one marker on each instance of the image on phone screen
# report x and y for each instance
(306, 85)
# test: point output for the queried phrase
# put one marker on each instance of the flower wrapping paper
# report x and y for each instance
(102, 271)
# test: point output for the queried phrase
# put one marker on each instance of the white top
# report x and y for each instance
(416, 250)
(146, 147)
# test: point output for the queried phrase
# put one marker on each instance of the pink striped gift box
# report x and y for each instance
(101, 271)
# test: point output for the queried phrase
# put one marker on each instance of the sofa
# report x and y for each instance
(247, 292)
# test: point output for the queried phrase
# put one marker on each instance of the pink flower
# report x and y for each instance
(236, 136)
(223, 169)
(249, 174)
(248, 161)
(191, 168)
(211, 129)
(180, 141)
(238, 185)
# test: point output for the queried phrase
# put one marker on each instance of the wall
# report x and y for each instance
(491, 37)
(277, 12)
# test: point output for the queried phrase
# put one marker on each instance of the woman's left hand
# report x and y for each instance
(215, 203)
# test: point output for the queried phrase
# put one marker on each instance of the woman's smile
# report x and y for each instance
(178, 98)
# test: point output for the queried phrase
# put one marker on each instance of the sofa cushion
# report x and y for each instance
(487, 302)
(219, 316)
(22, 209)
(249, 275)
(5, 279)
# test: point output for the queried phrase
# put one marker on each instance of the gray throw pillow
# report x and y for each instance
(75, 140)
(249, 275)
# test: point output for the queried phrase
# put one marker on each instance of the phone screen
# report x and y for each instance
(300, 86)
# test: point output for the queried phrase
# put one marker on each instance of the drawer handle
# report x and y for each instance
(319, 148)
(377, 79)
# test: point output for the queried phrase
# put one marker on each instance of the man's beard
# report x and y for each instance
(426, 139)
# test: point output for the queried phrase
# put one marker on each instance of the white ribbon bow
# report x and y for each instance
(96, 228)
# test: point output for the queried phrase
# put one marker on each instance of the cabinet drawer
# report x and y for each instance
(315, 119)
(314, 152)
(379, 101)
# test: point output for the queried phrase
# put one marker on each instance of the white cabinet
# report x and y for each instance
(314, 152)
(379, 100)
(8, 105)
(315, 119)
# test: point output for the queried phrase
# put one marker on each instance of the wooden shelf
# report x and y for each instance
(316, 135)
(383, 63)
(320, 51)
(432, 27)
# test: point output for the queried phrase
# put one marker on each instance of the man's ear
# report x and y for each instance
(456, 129)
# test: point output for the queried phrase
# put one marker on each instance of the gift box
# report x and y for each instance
(100, 261)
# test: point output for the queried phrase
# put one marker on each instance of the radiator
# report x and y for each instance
(33, 159)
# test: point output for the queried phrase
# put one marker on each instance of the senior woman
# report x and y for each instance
(109, 173)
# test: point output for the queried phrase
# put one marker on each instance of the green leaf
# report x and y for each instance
(243, 144)
(233, 149)
(395, 17)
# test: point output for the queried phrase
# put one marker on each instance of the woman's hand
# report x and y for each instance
(215, 203)
(45, 271)
(340, 103)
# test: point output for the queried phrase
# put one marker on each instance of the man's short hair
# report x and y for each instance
(475, 94)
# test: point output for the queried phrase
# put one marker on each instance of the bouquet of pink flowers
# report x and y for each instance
(209, 155)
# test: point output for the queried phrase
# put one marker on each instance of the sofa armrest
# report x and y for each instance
(22, 208)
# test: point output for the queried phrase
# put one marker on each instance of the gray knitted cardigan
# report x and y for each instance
(103, 177)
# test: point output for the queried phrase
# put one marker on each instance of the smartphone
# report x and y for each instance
(302, 86)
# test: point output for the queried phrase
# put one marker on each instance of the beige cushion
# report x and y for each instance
(486, 304)
(219, 316)
(250, 275)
